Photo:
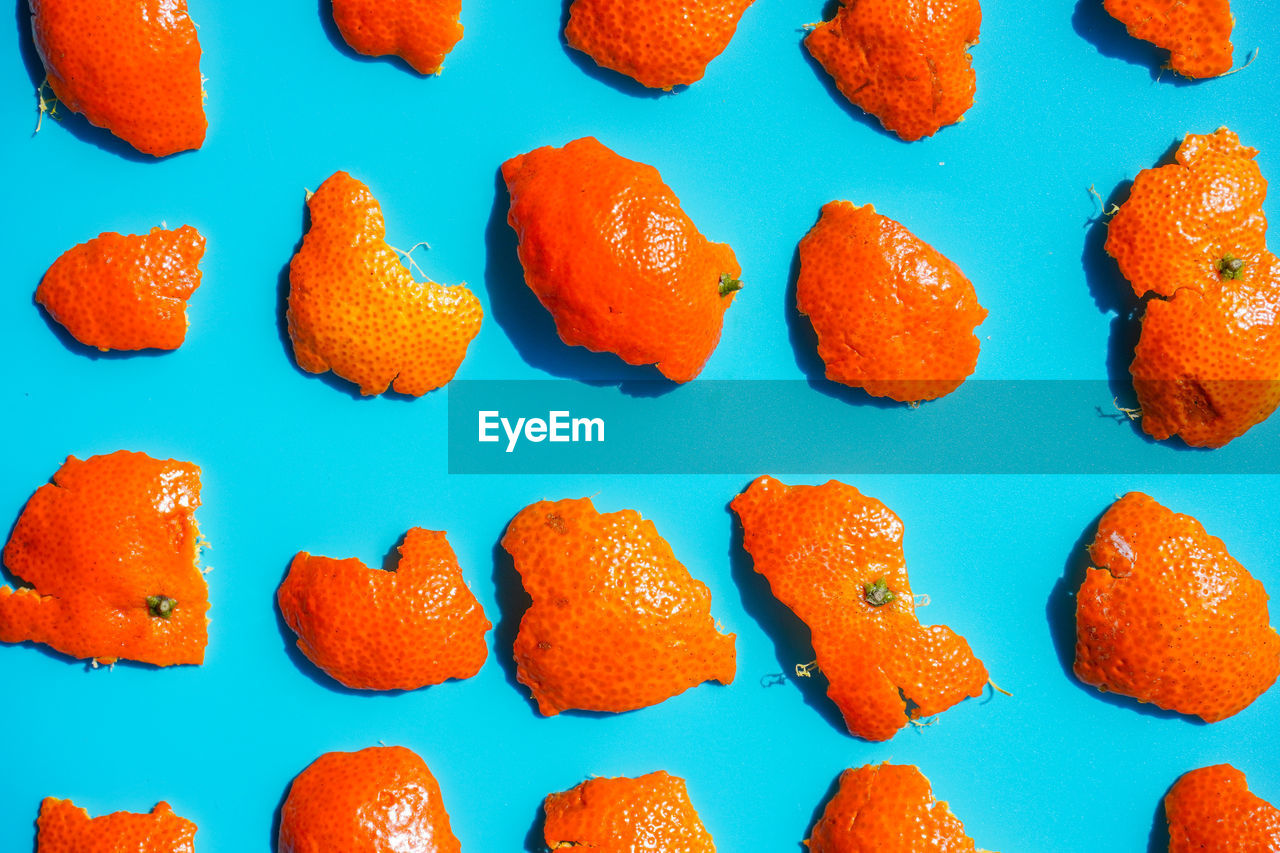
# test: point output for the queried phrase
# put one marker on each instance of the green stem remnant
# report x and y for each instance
(161, 605)
(729, 284)
(1230, 267)
(878, 593)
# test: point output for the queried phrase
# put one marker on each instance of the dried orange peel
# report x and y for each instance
(379, 799)
(650, 812)
(893, 316)
(110, 550)
(356, 310)
(904, 61)
(65, 828)
(609, 252)
(1197, 33)
(1192, 238)
(616, 621)
(887, 808)
(387, 630)
(659, 43)
(126, 291)
(421, 32)
(834, 556)
(130, 67)
(1169, 617)
(1211, 810)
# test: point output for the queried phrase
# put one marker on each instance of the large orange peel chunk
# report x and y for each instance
(1210, 810)
(1197, 33)
(1169, 617)
(904, 61)
(356, 310)
(659, 43)
(650, 812)
(1191, 238)
(834, 556)
(130, 66)
(617, 262)
(887, 808)
(387, 630)
(126, 291)
(421, 32)
(109, 550)
(382, 799)
(616, 621)
(893, 316)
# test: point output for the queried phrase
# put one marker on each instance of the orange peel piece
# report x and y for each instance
(1197, 33)
(609, 252)
(379, 799)
(126, 291)
(1192, 238)
(904, 61)
(906, 329)
(421, 32)
(659, 43)
(356, 310)
(1211, 810)
(110, 551)
(387, 630)
(65, 828)
(650, 812)
(616, 621)
(887, 808)
(834, 557)
(130, 67)
(1169, 617)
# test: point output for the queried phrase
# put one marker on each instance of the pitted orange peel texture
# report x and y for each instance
(616, 621)
(1210, 810)
(356, 310)
(834, 556)
(65, 828)
(887, 808)
(387, 630)
(110, 550)
(130, 66)
(1197, 33)
(1169, 617)
(382, 799)
(126, 291)
(659, 43)
(650, 812)
(904, 61)
(893, 316)
(421, 32)
(609, 252)
(1191, 239)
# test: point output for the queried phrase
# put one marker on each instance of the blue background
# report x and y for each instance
(293, 462)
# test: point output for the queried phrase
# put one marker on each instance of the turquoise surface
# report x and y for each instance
(293, 462)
